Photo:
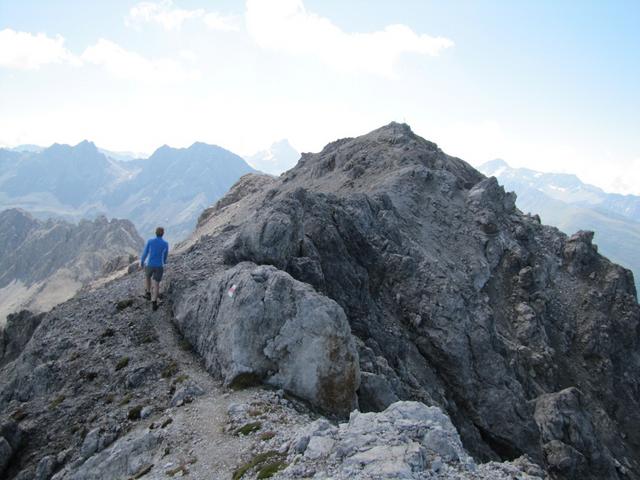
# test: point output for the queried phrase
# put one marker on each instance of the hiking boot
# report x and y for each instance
(147, 295)
(154, 306)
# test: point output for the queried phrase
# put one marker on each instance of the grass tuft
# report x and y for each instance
(134, 413)
(123, 304)
(122, 363)
(271, 469)
(249, 428)
(57, 401)
(267, 436)
(258, 461)
(170, 369)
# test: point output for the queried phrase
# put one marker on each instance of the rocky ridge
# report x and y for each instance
(381, 265)
(43, 263)
(169, 188)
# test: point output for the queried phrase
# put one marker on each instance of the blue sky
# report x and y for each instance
(548, 85)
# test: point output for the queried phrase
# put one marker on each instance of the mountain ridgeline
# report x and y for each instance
(171, 187)
(562, 200)
(43, 263)
(379, 274)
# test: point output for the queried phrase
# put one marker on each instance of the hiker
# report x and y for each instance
(157, 250)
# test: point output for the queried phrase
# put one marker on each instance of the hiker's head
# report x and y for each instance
(159, 232)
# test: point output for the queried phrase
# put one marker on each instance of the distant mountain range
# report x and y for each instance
(564, 201)
(278, 158)
(43, 263)
(169, 188)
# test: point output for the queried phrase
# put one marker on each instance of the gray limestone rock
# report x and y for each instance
(45, 468)
(407, 440)
(126, 457)
(185, 394)
(253, 323)
(5, 454)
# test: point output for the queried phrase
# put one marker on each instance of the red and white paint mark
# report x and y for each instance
(232, 290)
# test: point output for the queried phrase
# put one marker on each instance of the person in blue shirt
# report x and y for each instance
(155, 254)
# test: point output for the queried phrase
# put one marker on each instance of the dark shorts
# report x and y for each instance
(154, 272)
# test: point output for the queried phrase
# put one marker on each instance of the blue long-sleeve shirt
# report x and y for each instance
(157, 250)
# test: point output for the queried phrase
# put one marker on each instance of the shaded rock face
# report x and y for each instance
(253, 323)
(16, 334)
(456, 298)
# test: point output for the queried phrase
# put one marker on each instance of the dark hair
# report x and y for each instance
(159, 231)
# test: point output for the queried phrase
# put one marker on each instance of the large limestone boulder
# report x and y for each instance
(257, 324)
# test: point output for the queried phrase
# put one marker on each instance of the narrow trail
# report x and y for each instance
(196, 442)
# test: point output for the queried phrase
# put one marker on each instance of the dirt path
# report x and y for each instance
(196, 440)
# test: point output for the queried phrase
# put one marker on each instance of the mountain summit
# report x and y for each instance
(278, 158)
(379, 274)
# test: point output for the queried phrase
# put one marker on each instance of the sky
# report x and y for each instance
(548, 85)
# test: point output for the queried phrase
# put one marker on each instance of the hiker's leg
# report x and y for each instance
(155, 291)
(147, 284)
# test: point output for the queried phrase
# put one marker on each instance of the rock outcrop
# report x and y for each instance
(257, 324)
(456, 298)
(378, 271)
(408, 440)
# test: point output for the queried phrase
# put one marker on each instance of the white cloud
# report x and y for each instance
(128, 65)
(189, 55)
(26, 51)
(163, 13)
(285, 25)
(224, 23)
(170, 17)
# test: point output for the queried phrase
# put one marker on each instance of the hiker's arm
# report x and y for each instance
(145, 252)
(166, 254)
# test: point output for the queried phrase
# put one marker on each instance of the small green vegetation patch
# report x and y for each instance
(180, 379)
(170, 369)
(265, 461)
(267, 436)
(57, 401)
(122, 304)
(184, 345)
(122, 363)
(245, 380)
(249, 428)
(134, 413)
(271, 469)
(19, 414)
(109, 332)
